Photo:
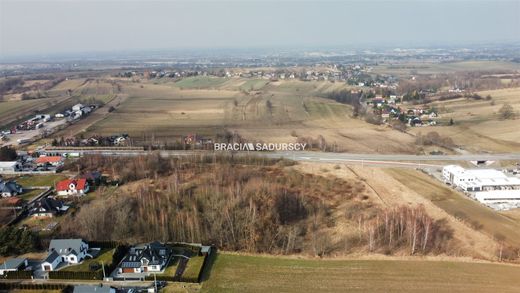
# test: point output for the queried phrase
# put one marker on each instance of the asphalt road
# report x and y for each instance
(396, 160)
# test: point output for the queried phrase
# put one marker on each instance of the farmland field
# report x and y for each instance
(236, 273)
(278, 111)
(200, 82)
(57, 99)
(405, 69)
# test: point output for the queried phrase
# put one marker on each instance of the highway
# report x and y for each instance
(398, 160)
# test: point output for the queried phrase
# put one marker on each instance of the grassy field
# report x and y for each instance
(40, 180)
(460, 206)
(254, 84)
(105, 257)
(30, 194)
(200, 82)
(233, 273)
(193, 267)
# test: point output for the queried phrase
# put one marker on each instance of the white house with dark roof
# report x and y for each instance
(13, 264)
(70, 251)
(10, 188)
(151, 257)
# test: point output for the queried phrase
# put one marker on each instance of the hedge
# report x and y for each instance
(11, 286)
(160, 278)
(69, 275)
(18, 275)
(104, 244)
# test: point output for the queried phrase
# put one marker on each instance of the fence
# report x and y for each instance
(11, 286)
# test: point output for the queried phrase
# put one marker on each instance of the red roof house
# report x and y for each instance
(53, 160)
(72, 187)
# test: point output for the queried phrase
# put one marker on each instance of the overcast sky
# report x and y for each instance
(41, 27)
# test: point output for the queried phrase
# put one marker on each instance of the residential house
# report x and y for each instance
(66, 251)
(151, 257)
(55, 161)
(10, 188)
(12, 265)
(93, 178)
(68, 187)
(48, 207)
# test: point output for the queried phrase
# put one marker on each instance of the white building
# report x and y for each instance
(13, 264)
(10, 166)
(479, 179)
(498, 196)
(77, 107)
(70, 251)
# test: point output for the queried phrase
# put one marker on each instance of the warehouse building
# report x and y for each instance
(478, 180)
(498, 196)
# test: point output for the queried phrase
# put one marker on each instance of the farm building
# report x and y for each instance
(72, 187)
(479, 179)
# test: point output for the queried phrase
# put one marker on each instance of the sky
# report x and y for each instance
(68, 26)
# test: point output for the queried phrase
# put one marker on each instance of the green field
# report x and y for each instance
(254, 84)
(40, 180)
(193, 267)
(105, 257)
(200, 82)
(16, 106)
(30, 194)
(233, 273)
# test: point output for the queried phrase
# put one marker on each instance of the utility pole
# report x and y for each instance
(155, 281)
(103, 267)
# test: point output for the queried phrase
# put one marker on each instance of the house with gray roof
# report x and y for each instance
(150, 257)
(10, 188)
(47, 207)
(65, 251)
(13, 264)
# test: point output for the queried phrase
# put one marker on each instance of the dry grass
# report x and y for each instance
(390, 188)
(163, 111)
(459, 206)
(478, 126)
(236, 273)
